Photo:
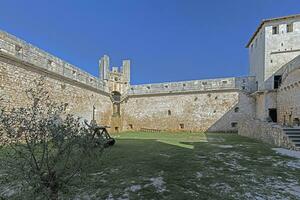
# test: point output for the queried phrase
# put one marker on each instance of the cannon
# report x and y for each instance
(101, 132)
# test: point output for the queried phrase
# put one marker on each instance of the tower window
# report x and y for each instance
(236, 109)
(289, 27)
(169, 112)
(275, 30)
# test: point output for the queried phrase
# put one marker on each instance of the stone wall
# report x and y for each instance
(16, 77)
(270, 133)
(246, 84)
(195, 111)
(288, 99)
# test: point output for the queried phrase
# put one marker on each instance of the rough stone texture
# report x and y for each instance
(264, 101)
(270, 133)
(288, 98)
(206, 111)
(14, 80)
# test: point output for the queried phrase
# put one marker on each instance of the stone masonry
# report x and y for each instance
(223, 104)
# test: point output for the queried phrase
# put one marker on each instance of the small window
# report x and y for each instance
(148, 87)
(275, 30)
(289, 27)
(117, 129)
(116, 79)
(216, 97)
(234, 124)
(236, 109)
(224, 82)
(169, 112)
(196, 98)
(181, 126)
(271, 61)
(130, 126)
(243, 87)
(204, 83)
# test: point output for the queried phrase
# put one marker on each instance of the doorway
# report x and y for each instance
(273, 114)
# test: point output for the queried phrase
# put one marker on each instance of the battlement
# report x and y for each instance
(16, 48)
(246, 84)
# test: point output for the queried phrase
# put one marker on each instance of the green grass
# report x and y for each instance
(190, 166)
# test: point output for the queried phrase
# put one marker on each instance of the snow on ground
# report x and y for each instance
(286, 152)
(199, 175)
(158, 183)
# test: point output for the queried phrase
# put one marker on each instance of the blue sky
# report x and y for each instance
(166, 40)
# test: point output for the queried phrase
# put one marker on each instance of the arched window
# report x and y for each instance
(236, 109)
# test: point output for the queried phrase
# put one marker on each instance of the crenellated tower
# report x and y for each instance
(118, 78)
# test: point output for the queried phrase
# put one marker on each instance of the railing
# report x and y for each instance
(25, 52)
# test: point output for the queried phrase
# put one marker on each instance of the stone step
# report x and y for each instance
(291, 129)
(295, 139)
(297, 143)
(292, 133)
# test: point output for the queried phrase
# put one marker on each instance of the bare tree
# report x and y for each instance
(44, 147)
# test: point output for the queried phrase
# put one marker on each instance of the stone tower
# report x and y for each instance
(275, 42)
(118, 78)
(118, 81)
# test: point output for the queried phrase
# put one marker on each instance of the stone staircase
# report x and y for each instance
(294, 135)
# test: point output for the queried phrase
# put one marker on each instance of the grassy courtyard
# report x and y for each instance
(188, 166)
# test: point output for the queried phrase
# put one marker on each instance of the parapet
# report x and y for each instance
(27, 53)
(246, 84)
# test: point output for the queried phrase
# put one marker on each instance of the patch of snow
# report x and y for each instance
(134, 188)
(165, 155)
(110, 197)
(223, 187)
(158, 183)
(286, 152)
(97, 174)
(199, 175)
(293, 164)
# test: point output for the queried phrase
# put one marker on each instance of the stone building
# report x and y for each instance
(268, 98)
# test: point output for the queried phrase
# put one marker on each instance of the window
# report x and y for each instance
(169, 112)
(234, 124)
(130, 126)
(236, 109)
(181, 126)
(275, 30)
(289, 27)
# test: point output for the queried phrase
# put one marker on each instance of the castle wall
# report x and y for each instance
(197, 111)
(21, 63)
(288, 98)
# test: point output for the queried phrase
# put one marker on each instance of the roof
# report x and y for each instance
(269, 20)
